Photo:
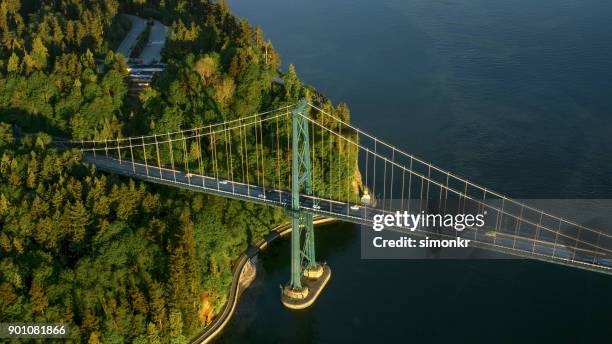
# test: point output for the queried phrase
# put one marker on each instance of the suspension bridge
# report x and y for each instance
(308, 161)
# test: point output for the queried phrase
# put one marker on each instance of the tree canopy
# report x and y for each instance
(119, 260)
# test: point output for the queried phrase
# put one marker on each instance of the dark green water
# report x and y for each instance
(516, 95)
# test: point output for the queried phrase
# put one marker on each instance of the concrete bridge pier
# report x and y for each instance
(313, 280)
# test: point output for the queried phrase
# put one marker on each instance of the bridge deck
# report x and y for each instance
(515, 245)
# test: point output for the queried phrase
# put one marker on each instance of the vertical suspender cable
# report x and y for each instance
(348, 177)
(421, 194)
(132, 156)
(229, 135)
(246, 151)
(330, 154)
(278, 176)
(446, 191)
(214, 151)
(241, 148)
(392, 180)
(288, 126)
(483, 202)
(386, 201)
(321, 164)
(367, 166)
(339, 164)
(410, 185)
(374, 170)
(535, 237)
(465, 196)
(403, 178)
(577, 239)
(200, 163)
(159, 165)
(428, 181)
(498, 221)
(517, 229)
(312, 160)
(227, 154)
(596, 243)
(185, 157)
(263, 166)
(171, 157)
(118, 143)
(557, 238)
(144, 152)
(256, 152)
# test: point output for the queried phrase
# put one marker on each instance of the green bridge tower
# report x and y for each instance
(307, 276)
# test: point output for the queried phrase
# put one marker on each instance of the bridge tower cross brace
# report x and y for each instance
(302, 256)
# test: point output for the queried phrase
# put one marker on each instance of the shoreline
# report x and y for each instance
(215, 327)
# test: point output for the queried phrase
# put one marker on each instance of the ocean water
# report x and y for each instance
(515, 95)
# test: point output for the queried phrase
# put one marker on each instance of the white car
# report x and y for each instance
(355, 207)
(262, 196)
(223, 182)
(189, 175)
(316, 206)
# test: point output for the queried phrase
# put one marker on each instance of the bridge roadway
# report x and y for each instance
(359, 214)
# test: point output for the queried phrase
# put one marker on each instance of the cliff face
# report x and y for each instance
(206, 312)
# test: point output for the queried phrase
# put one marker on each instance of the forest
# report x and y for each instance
(116, 259)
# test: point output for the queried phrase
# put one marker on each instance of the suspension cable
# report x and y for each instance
(220, 131)
(479, 202)
(458, 178)
(195, 129)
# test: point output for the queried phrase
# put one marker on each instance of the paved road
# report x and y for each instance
(155, 44)
(138, 26)
(157, 39)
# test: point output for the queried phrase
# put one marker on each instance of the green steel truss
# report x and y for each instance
(302, 255)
